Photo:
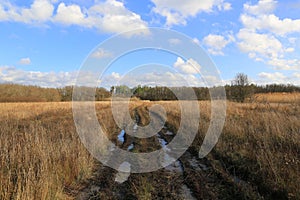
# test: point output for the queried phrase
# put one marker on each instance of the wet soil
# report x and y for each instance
(188, 177)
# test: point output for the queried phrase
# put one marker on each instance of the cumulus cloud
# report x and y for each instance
(216, 43)
(45, 79)
(285, 64)
(176, 11)
(271, 23)
(188, 67)
(25, 61)
(261, 17)
(262, 7)
(39, 11)
(11, 74)
(254, 43)
(278, 78)
(110, 16)
(265, 37)
(69, 15)
(169, 78)
(272, 76)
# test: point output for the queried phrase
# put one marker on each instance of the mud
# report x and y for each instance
(189, 177)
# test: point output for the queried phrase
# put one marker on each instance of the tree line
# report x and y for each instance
(239, 90)
(22, 93)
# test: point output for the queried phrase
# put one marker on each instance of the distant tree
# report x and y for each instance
(241, 79)
(66, 93)
(240, 87)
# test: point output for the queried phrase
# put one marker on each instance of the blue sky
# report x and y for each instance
(44, 42)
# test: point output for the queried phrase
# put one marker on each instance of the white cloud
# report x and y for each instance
(262, 7)
(285, 64)
(70, 15)
(174, 41)
(113, 17)
(45, 79)
(188, 67)
(297, 75)
(12, 74)
(25, 61)
(196, 41)
(101, 53)
(39, 11)
(264, 36)
(278, 78)
(272, 76)
(177, 11)
(116, 76)
(254, 43)
(216, 43)
(3, 14)
(271, 23)
(170, 79)
(110, 16)
(225, 6)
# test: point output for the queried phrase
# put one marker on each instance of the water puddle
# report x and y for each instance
(121, 136)
(176, 165)
(135, 127)
(125, 167)
(169, 133)
(130, 147)
(187, 193)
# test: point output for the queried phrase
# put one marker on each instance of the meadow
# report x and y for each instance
(256, 157)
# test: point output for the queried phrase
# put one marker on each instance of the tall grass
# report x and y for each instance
(40, 153)
(41, 156)
(260, 144)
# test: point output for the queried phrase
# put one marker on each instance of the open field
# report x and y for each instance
(257, 156)
(280, 97)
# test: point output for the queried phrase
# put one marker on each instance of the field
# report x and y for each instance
(256, 157)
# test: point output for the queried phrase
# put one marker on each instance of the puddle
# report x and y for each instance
(163, 143)
(123, 172)
(130, 147)
(124, 169)
(186, 193)
(135, 127)
(121, 136)
(175, 165)
(169, 133)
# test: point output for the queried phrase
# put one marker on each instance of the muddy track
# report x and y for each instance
(187, 178)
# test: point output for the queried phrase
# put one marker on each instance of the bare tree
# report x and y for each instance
(241, 79)
(240, 87)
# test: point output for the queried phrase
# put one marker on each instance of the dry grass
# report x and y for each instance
(40, 153)
(260, 144)
(41, 156)
(279, 97)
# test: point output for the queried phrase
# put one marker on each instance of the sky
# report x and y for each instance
(46, 42)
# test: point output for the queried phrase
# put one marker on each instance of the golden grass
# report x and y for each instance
(278, 97)
(40, 153)
(41, 156)
(260, 143)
